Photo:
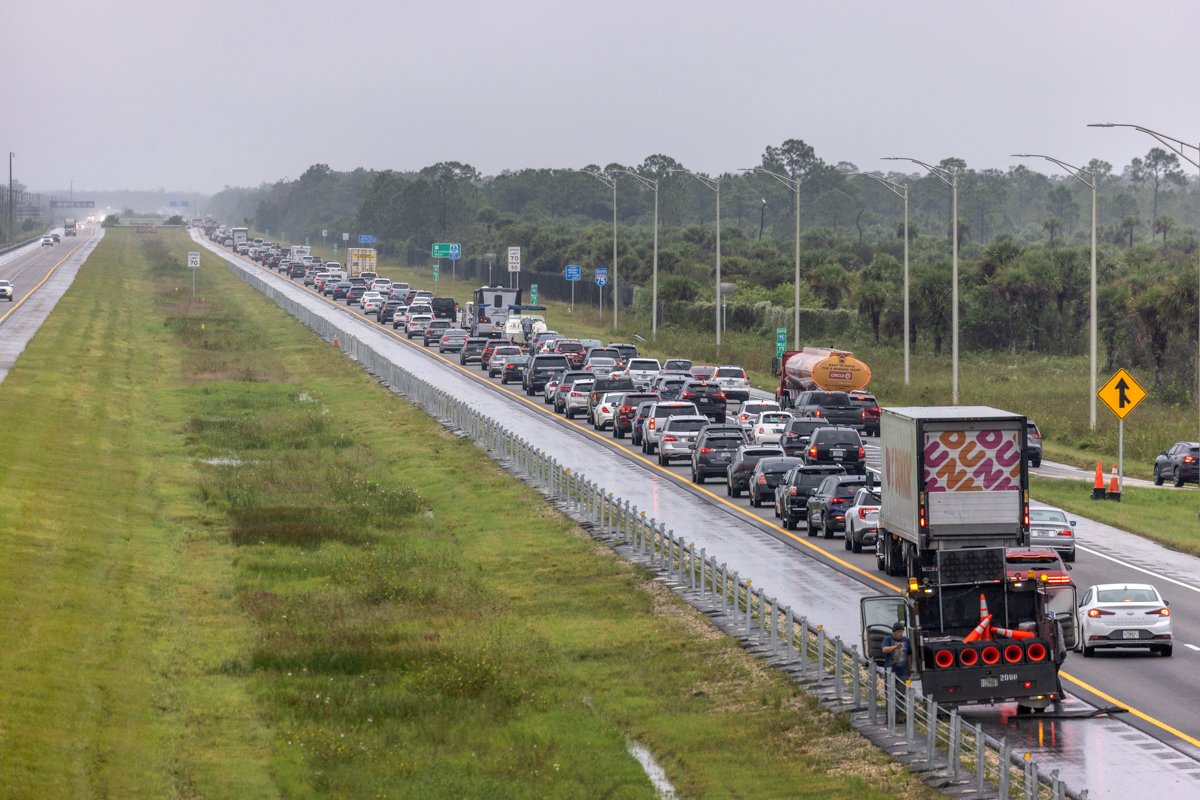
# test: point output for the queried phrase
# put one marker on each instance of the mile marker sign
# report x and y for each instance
(1121, 394)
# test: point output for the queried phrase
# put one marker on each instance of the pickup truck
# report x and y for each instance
(834, 407)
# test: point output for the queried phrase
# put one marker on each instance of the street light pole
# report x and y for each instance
(793, 185)
(1077, 173)
(901, 191)
(715, 185)
(610, 182)
(1176, 146)
(11, 155)
(950, 179)
(651, 183)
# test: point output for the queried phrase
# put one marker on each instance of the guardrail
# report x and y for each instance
(934, 740)
(17, 245)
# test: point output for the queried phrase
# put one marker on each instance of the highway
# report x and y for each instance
(1155, 745)
(39, 276)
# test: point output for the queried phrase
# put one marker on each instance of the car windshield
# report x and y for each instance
(687, 425)
(1127, 594)
(731, 441)
(602, 362)
(777, 465)
(730, 372)
(1026, 559)
(848, 439)
(864, 399)
(643, 364)
(830, 398)
(670, 411)
(774, 418)
(1046, 515)
(571, 347)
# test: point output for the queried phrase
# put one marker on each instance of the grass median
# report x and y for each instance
(232, 565)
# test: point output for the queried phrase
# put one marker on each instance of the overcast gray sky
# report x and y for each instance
(144, 94)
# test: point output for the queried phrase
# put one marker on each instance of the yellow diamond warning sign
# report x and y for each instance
(1121, 394)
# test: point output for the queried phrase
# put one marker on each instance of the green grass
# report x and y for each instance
(232, 565)
(1164, 516)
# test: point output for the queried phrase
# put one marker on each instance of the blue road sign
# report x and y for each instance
(573, 272)
(366, 238)
(601, 276)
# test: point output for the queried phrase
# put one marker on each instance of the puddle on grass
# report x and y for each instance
(223, 461)
(658, 778)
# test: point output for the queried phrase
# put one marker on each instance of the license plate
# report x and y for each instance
(989, 683)
(837, 453)
(1131, 634)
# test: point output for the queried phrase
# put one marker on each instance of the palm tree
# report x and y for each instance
(1052, 225)
(1164, 225)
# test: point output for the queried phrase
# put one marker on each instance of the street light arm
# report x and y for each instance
(945, 176)
(649, 183)
(1072, 170)
(607, 180)
(709, 182)
(898, 189)
(793, 184)
(1170, 142)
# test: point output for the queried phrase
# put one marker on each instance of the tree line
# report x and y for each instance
(1023, 241)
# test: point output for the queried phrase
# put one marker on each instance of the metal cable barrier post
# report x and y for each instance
(704, 581)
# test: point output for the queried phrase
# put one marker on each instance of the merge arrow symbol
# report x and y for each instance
(1122, 399)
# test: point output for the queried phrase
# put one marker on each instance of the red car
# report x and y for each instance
(573, 349)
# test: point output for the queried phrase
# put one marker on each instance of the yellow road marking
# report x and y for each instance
(50, 272)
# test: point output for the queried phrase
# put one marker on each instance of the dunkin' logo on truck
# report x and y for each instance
(972, 461)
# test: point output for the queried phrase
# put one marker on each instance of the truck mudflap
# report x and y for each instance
(1026, 683)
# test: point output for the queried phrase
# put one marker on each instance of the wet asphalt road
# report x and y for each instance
(1111, 756)
(40, 276)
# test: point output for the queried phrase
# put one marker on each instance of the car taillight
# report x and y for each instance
(1065, 532)
(1035, 436)
(705, 450)
(862, 513)
(1058, 579)
(719, 395)
(762, 480)
(1099, 612)
(651, 423)
(817, 413)
(837, 499)
(688, 395)
(760, 429)
(793, 491)
(743, 417)
(669, 438)
(792, 435)
(862, 453)
(626, 409)
(1189, 459)
(604, 409)
(1160, 612)
(812, 451)
(577, 394)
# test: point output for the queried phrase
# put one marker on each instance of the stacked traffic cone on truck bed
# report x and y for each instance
(1098, 492)
(1114, 486)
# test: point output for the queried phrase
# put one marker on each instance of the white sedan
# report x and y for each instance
(1124, 615)
(769, 427)
(602, 414)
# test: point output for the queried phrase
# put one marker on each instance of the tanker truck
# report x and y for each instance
(819, 368)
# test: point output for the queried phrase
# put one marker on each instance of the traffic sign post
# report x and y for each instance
(514, 265)
(1121, 394)
(437, 267)
(450, 250)
(366, 238)
(573, 273)
(780, 341)
(193, 263)
(533, 294)
(601, 278)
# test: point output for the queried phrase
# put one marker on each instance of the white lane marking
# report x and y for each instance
(1193, 647)
(1139, 569)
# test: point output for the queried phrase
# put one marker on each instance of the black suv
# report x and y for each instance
(767, 474)
(1033, 444)
(709, 398)
(540, 368)
(827, 505)
(1181, 464)
(603, 386)
(837, 446)
(741, 464)
(715, 446)
(795, 438)
(792, 494)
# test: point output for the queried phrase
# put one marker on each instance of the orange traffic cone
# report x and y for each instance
(1009, 633)
(1114, 486)
(983, 609)
(1098, 487)
(981, 630)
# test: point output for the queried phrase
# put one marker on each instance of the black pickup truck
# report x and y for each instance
(834, 407)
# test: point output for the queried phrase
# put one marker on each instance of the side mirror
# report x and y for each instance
(1069, 567)
(1072, 523)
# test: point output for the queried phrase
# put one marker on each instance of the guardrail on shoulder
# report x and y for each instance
(936, 741)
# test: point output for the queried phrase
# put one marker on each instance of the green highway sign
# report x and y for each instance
(447, 250)
(436, 269)
(780, 341)
(533, 294)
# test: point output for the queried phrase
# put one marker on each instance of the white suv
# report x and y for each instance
(6, 290)
(733, 380)
(642, 370)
